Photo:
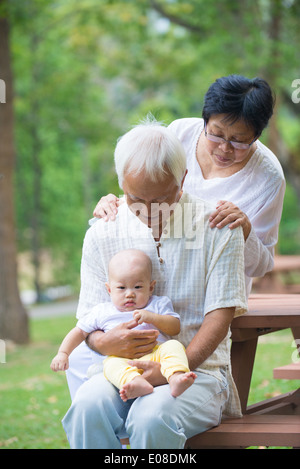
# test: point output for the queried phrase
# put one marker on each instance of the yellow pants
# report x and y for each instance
(171, 355)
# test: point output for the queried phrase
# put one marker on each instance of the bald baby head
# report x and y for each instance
(129, 259)
(129, 279)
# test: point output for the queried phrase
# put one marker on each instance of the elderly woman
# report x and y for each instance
(230, 167)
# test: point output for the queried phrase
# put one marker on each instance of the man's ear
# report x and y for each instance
(108, 288)
(184, 176)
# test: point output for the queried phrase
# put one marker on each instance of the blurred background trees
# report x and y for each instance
(13, 317)
(85, 71)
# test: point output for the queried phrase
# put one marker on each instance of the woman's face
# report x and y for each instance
(223, 154)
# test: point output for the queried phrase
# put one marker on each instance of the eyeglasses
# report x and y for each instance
(236, 145)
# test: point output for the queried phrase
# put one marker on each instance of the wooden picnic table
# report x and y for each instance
(267, 313)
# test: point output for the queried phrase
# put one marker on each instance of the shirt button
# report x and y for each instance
(165, 231)
(161, 260)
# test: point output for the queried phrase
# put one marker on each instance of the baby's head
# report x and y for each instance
(130, 283)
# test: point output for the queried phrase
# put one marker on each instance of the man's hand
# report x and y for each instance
(123, 341)
(151, 371)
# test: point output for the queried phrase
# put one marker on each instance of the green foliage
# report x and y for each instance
(273, 350)
(86, 71)
(289, 233)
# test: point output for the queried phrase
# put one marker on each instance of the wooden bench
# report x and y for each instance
(276, 421)
(251, 430)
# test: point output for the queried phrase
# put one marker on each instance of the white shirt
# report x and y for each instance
(105, 316)
(257, 189)
(200, 269)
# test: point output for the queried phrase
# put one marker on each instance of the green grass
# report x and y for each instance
(273, 350)
(33, 399)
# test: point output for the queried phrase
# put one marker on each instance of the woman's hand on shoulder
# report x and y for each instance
(107, 207)
(227, 213)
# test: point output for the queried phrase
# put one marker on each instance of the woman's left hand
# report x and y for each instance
(227, 213)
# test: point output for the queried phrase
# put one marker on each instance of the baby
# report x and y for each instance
(130, 288)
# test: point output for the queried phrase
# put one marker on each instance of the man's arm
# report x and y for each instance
(211, 333)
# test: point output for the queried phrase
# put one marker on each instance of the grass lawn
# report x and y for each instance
(33, 399)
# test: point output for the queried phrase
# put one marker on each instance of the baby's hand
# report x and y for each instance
(142, 315)
(60, 362)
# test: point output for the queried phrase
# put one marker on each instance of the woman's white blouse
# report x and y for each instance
(257, 189)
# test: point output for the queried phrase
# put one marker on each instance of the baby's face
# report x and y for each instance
(130, 290)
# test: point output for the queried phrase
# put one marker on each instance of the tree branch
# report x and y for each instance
(175, 19)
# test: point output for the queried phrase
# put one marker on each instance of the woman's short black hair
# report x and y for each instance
(240, 98)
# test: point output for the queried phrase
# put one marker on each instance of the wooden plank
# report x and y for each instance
(291, 371)
(240, 440)
(288, 404)
(242, 335)
(263, 419)
(266, 430)
(270, 311)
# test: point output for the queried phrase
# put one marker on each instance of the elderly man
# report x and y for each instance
(200, 269)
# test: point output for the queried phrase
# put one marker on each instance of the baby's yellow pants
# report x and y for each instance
(171, 355)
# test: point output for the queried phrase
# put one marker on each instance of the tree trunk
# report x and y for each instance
(13, 316)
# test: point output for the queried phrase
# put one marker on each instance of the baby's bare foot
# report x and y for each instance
(180, 382)
(136, 388)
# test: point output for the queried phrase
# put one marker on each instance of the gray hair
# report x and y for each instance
(150, 147)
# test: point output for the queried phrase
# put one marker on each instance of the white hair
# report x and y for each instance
(150, 147)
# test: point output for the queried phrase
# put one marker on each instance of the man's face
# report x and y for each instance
(152, 202)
